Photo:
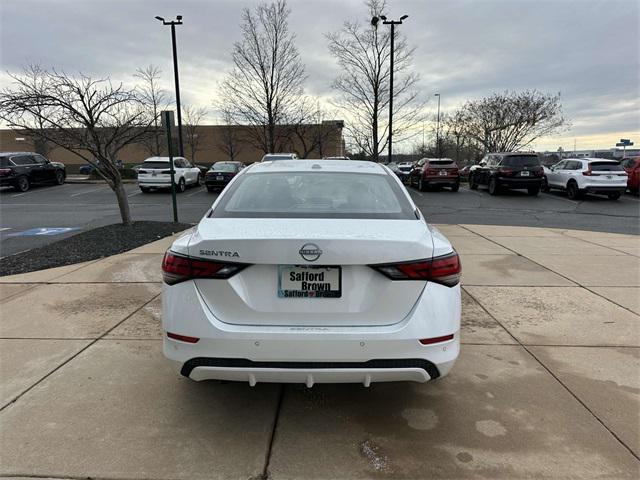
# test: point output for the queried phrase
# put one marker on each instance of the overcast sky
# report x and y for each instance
(586, 49)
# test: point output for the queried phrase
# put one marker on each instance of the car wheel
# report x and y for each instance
(455, 187)
(211, 189)
(614, 196)
(493, 186)
(573, 192)
(144, 189)
(421, 185)
(59, 177)
(533, 191)
(199, 181)
(545, 186)
(182, 186)
(22, 184)
(472, 182)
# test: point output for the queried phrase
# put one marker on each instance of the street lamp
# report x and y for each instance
(173, 23)
(393, 23)
(438, 127)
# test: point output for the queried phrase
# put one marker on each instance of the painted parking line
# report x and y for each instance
(200, 190)
(46, 231)
(87, 191)
(134, 194)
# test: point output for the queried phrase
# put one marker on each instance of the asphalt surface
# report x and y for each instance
(85, 206)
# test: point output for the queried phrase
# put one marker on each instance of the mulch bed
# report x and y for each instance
(89, 245)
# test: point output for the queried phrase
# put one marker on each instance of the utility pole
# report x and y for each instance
(167, 121)
(438, 127)
(173, 23)
(393, 23)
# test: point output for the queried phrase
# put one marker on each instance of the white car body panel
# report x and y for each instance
(152, 176)
(248, 333)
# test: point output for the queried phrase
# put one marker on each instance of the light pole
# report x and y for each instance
(438, 127)
(393, 23)
(173, 23)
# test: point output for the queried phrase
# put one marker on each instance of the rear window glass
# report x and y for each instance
(605, 167)
(277, 157)
(440, 162)
(521, 161)
(314, 195)
(4, 162)
(153, 165)
(224, 167)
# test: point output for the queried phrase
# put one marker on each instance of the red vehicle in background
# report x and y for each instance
(435, 172)
(632, 167)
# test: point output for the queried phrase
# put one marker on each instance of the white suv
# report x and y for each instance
(155, 172)
(587, 175)
(272, 157)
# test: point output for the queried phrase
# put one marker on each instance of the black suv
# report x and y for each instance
(22, 169)
(514, 170)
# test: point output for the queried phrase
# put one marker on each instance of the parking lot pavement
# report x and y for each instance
(547, 384)
(78, 207)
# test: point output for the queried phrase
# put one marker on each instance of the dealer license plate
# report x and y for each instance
(305, 281)
(219, 177)
(524, 174)
(443, 172)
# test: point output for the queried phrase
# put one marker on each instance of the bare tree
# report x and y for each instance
(155, 98)
(264, 87)
(510, 121)
(93, 119)
(311, 131)
(230, 141)
(363, 52)
(193, 117)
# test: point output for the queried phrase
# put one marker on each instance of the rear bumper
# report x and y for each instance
(7, 182)
(310, 355)
(154, 183)
(604, 189)
(436, 180)
(519, 182)
(216, 183)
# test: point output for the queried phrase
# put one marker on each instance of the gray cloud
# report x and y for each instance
(586, 49)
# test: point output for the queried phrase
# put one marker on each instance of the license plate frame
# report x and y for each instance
(525, 173)
(287, 293)
(220, 178)
(443, 173)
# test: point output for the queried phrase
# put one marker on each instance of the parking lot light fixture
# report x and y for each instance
(173, 23)
(393, 23)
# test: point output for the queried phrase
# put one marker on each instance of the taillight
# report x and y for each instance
(182, 338)
(430, 171)
(445, 270)
(5, 171)
(177, 268)
(587, 173)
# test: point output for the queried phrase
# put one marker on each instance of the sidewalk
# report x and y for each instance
(547, 384)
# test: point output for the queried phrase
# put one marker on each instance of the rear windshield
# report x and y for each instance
(440, 162)
(4, 162)
(224, 167)
(154, 165)
(271, 158)
(521, 161)
(314, 195)
(605, 167)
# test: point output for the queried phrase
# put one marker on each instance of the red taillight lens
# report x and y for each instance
(587, 173)
(507, 172)
(445, 270)
(178, 268)
(431, 171)
(4, 172)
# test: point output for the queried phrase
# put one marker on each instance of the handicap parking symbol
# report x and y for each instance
(33, 232)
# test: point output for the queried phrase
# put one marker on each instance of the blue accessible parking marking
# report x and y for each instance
(33, 232)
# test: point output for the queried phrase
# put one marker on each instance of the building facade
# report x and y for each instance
(206, 144)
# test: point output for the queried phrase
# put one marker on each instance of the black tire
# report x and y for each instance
(421, 186)
(533, 191)
(144, 189)
(573, 192)
(199, 181)
(22, 184)
(59, 177)
(614, 196)
(211, 189)
(455, 187)
(181, 186)
(544, 186)
(493, 186)
(472, 182)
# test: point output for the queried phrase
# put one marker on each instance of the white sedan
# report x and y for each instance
(155, 172)
(310, 272)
